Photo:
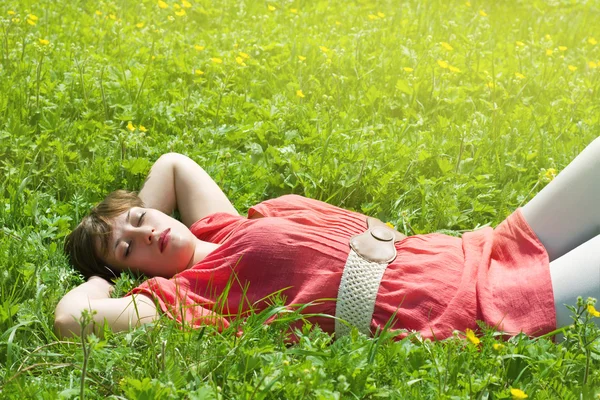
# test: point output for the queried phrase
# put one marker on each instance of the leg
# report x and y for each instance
(576, 273)
(566, 213)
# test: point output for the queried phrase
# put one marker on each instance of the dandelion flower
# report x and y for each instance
(498, 346)
(562, 48)
(299, 93)
(32, 17)
(550, 174)
(240, 61)
(482, 13)
(592, 41)
(338, 23)
(143, 128)
(519, 75)
(453, 69)
(294, 10)
(98, 12)
(244, 55)
(471, 336)
(518, 394)
(549, 52)
(408, 69)
(592, 64)
(447, 46)
(324, 49)
(468, 3)
(301, 58)
(390, 225)
(162, 4)
(171, 18)
(271, 8)
(180, 13)
(216, 60)
(31, 22)
(198, 72)
(372, 17)
(112, 16)
(186, 4)
(176, 6)
(198, 47)
(519, 44)
(380, 14)
(548, 37)
(10, 12)
(16, 20)
(592, 310)
(572, 68)
(140, 24)
(491, 85)
(44, 42)
(130, 127)
(442, 63)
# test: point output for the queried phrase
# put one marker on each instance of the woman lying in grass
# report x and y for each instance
(216, 265)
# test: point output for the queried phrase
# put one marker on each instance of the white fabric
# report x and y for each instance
(357, 293)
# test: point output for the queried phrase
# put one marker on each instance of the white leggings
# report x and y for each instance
(565, 215)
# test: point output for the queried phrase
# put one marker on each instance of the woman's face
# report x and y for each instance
(151, 242)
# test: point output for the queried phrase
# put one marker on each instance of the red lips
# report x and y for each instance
(164, 239)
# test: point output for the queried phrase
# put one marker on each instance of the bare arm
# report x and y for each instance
(176, 182)
(94, 295)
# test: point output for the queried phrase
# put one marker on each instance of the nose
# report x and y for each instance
(148, 235)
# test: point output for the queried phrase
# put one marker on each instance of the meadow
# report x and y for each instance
(437, 116)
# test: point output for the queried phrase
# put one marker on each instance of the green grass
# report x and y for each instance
(392, 123)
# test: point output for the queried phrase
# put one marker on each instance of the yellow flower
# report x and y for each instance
(491, 85)
(442, 63)
(550, 174)
(324, 49)
(271, 8)
(572, 68)
(548, 37)
(176, 6)
(140, 24)
(518, 394)
(447, 46)
(142, 128)
(498, 346)
(592, 64)
(408, 69)
(98, 12)
(162, 4)
(519, 44)
(31, 22)
(244, 55)
(338, 23)
(198, 72)
(471, 336)
(372, 17)
(131, 127)
(186, 4)
(301, 58)
(562, 48)
(453, 69)
(180, 13)
(519, 75)
(482, 13)
(592, 310)
(216, 60)
(380, 14)
(390, 225)
(198, 47)
(549, 52)
(294, 10)
(11, 12)
(16, 20)
(299, 93)
(468, 3)
(112, 16)
(32, 17)
(240, 61)
(592, 41)
(171, 18)
(44, 42)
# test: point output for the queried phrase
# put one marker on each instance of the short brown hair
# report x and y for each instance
(80, 245)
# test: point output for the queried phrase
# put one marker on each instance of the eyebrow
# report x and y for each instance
(117, 241)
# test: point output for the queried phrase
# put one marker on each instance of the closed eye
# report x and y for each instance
(141, 218)
(130, 242)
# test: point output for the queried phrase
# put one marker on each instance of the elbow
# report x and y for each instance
(64, 326)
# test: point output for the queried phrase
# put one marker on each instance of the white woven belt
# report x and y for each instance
(357, 293)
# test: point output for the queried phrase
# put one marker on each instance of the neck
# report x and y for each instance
(202, 250)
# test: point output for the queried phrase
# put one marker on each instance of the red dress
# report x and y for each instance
(436, 284)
